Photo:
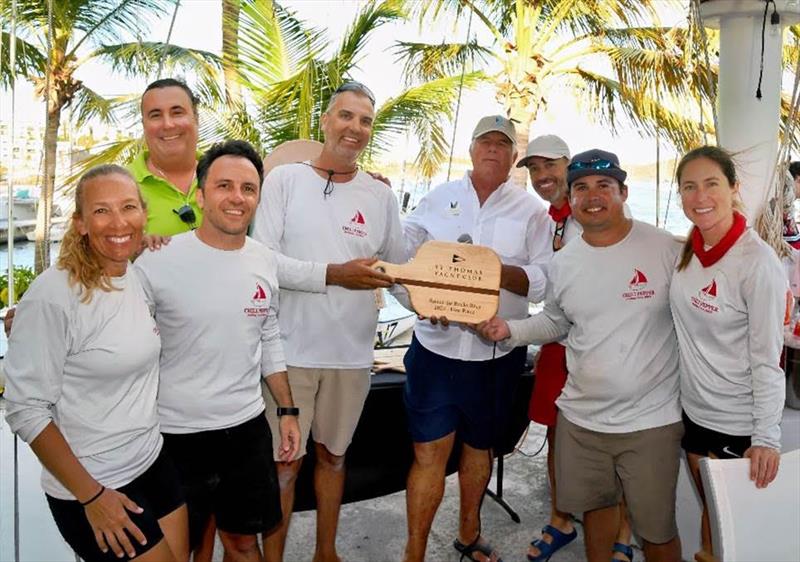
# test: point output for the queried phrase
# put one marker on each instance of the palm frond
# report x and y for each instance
(140, 58)
(357, 34)
(88, 105)
(606, 98)
(424, 61)
(119, 152)
(108, 21)
(423, 109)
(29, 61)
(274, 43)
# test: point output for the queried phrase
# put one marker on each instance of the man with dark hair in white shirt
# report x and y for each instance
(214, 295)
(619, 418)
(457, 383)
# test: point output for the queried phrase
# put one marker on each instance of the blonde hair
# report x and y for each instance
(76, 256)
(724, 160)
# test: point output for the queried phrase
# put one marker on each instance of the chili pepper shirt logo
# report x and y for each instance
(356, 226)
(637, 288)
(706, 298)
(260, 303)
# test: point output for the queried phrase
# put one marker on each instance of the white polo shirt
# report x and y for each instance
(512, 222)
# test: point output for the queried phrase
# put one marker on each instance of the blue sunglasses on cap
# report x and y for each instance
(598, 164)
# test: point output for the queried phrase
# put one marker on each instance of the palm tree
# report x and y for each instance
(55, 39)
(611, 54)
(288, 81)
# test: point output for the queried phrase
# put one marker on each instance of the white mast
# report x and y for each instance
(749, 126)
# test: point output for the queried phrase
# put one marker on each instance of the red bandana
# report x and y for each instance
(714, 254)
(559, 215)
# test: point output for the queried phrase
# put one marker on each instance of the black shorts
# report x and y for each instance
(473, 398)
(157, 491)
(228, 473)
(703, 441)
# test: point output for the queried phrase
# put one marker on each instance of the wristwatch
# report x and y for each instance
(288, 411)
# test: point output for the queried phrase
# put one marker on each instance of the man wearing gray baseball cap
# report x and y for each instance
(618, 425)
(456, 382)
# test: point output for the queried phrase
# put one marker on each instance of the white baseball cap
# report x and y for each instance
(545, 146)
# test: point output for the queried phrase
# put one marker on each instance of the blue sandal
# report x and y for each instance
(547, 549)
(625, 549)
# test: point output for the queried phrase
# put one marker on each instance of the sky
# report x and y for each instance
(197, 25)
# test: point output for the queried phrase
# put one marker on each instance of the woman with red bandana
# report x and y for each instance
(732, 388)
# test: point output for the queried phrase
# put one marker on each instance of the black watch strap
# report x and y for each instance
(288, 411)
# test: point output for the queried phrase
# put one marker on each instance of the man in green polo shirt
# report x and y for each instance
(165, 171)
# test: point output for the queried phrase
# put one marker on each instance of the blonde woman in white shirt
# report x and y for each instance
(82, 380)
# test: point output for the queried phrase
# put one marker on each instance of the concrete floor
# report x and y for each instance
(370, 531)
(375, 530)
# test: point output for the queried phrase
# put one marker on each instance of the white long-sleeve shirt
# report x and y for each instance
(512, 222)
(358, 219)
(217, 314)
(92, 370)
(613, 304)
(729, 321)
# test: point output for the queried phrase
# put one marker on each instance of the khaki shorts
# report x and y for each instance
(594, 470)
(330, 402)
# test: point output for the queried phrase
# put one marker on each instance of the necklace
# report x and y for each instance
(329, 184)
(163, 174)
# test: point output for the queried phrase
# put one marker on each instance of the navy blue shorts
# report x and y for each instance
(472, 398)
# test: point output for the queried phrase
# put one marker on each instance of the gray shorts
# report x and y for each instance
(594, 470)
(330, 402)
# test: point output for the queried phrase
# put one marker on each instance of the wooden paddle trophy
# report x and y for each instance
(458, 281)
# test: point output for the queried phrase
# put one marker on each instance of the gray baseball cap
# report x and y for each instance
(545, 146)
(498, 123)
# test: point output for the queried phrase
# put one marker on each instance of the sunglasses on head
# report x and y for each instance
(598, 164)
(186, 214)
(353, 86)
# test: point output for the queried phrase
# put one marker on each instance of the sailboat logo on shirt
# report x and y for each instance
(356, 226)
(709, 291)
(637, 287)
(706, 298)
(638, 280)
(260, 303)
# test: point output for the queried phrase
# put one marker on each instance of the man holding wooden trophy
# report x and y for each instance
(456, 381)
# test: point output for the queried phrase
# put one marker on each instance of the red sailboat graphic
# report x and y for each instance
(260, 294)
(710, 290)
(638, 279)
(358, 218)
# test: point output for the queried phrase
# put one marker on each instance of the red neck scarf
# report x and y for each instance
(559, 215)
(714, 254)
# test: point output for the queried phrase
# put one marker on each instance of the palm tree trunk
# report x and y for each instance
(230, 50)
(519, 176)
(45, 208)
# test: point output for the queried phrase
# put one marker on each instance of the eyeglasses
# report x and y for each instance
(186, 214)
(353, 86)
(558, 235)
(598, 164)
